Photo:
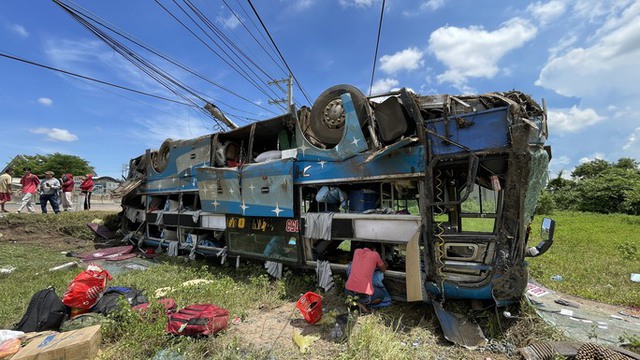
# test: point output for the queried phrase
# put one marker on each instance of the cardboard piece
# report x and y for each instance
(71, 345)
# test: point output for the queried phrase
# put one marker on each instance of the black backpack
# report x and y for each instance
(109, 302)
(45, 312)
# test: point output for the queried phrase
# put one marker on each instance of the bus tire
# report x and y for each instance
(161, 158)
(328, 116)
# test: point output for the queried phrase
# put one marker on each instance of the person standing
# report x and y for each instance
(86, 188)
(49, 192)
(5, 188)
(360, 278)
(29, 184)
(67, 191)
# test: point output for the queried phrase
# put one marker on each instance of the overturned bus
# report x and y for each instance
(445, 186)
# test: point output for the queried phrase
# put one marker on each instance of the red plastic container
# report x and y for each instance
(310, 305)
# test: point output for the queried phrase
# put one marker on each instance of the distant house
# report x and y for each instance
(104, 184)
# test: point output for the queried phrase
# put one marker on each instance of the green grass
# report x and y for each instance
(587, 248)
(595, 254)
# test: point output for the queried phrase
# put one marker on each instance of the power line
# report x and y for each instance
(279, 53)
(375, 56)
(111, 27)
(80, 16)
(2, 54)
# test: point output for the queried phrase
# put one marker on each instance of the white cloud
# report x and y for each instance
(632, 139)
(384, 85)
(594, 156)
(475, 52)
(563, 44)
(432, 5)
(407, 59)
(572, 120)
(592, 11)
(546, 12)
(55, 134)
(607, 70)
(19, 29)
(153, 130)
(230, 22)
(299, 5)
(357, 3)
(558, 164)
(45, 101)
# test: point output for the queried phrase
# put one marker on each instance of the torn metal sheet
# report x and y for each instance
(582, 320)
(458, 329)
(102, 230)
(387, 149)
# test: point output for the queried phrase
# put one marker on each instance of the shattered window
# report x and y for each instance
(478, 212)
(274, 247)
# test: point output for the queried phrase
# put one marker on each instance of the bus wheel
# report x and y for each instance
(161, 159)
(328, 115)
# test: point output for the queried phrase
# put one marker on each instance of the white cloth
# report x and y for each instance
(325, 276)
(196, 216)
(27, 200)
(67, 204)
(318, 226)
(173, 248)
(49, 187)
(274, 269)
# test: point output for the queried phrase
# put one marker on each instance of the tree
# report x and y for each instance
(590, 169)
(58, 163)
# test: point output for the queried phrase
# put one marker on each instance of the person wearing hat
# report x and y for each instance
(29, 184)
(49, 192)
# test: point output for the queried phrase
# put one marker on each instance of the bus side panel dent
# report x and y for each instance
(219, 190)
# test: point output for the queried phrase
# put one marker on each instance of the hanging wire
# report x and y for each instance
(5, 55)
(375, 56)
(304, 93)
(111, 27)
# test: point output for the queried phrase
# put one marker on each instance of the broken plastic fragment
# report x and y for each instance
(304, 342)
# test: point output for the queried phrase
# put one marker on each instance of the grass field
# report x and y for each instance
(595, 254)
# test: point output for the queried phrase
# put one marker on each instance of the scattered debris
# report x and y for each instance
(7, 269)
(107, 253)
(566, 303)
(557, 278)
(574, 350)
(586, 320)
(166, 354)
(458, 329)
(304, 341)
(635, 278)
(9, 347)
(102, 230)
(76, 344)
(65, 266)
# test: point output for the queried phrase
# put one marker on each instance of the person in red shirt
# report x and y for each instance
(67, 191)
(86, 188)
(29, 184)
(360, 278)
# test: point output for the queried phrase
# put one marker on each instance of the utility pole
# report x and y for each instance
(277, 83)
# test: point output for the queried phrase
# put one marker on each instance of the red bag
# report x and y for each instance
(87, 288)
(198, 319)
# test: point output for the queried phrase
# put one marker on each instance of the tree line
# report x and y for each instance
(595, 186)
(57, 162)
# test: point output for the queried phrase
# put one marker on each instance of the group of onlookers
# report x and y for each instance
(53, 191)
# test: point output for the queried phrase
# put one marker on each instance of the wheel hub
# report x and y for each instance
(333, 116)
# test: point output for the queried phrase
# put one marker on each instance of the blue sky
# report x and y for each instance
(582, 56)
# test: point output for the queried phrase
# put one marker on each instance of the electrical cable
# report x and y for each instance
(239, 69)
(2, 54)
(230, 45)
(254, 38)
(375, 56)
(111, 27)
(304, 93)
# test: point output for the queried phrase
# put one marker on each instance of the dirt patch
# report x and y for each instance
(273, 330)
